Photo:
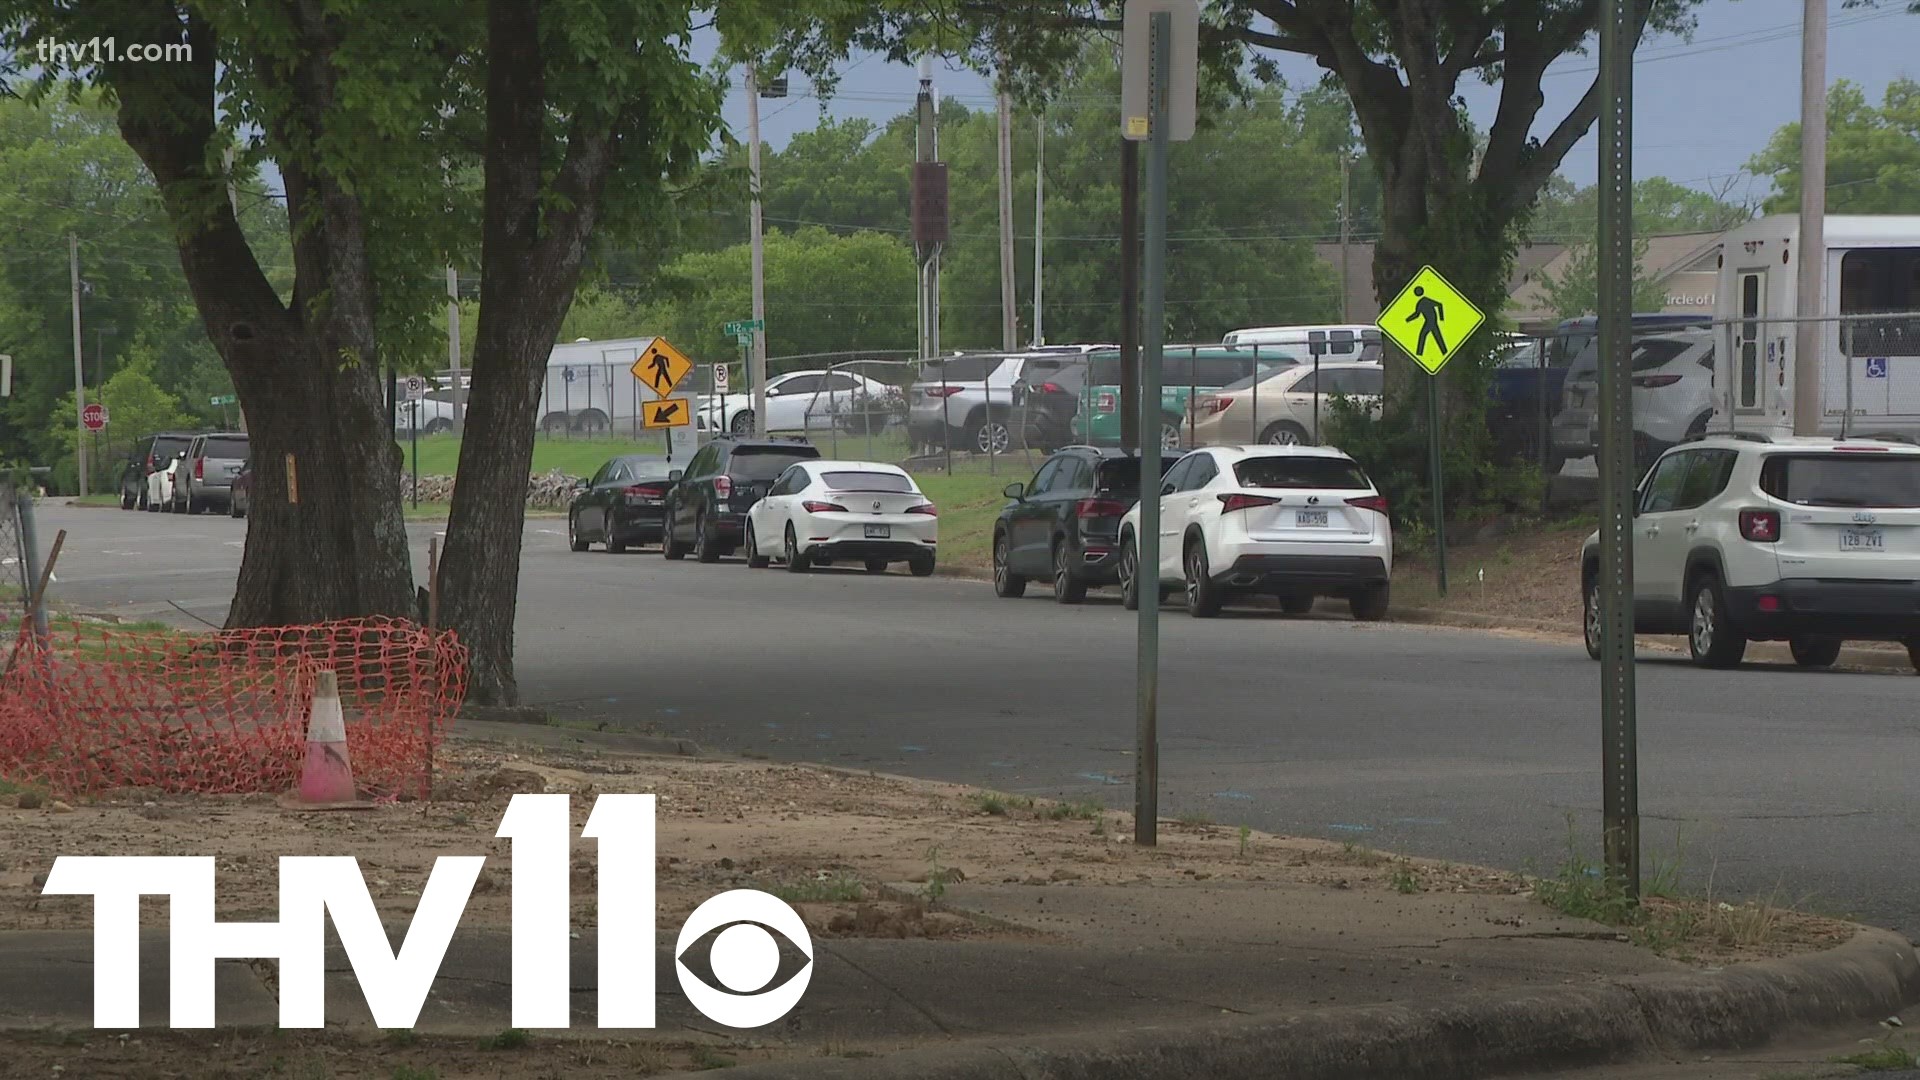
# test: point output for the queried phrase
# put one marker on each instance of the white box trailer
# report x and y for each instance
(1869, 333)
(590, 387)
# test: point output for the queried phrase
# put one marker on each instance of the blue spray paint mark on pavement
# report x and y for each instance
(913, 749)
(1419, 821)
(1099, 778)
(823, 734)
(1000, 765)
(671, 712)
(1232, 795)
(611, 700)
(1351, 828)
(771, 726)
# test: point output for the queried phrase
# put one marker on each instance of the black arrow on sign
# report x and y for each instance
(663, 413)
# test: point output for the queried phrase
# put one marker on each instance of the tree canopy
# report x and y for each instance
(1873, 153)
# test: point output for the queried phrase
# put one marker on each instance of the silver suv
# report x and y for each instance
(1811, 541)
(970, 401)
(210, 464)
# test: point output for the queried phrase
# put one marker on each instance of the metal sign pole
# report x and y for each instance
(416, 453)
(1146, 783)
(1620, 794)
(1439, 491)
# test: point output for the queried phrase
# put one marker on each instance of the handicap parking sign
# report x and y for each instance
(1876, 367)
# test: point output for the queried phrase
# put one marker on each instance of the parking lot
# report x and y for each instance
(1437, 742)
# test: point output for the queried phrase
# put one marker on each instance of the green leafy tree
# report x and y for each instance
(1572, 215)
(136, 406)
(1873, 154)
(1575, 291)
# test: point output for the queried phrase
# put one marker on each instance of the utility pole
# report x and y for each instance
(1129, 292)
(930, 209)
(1619, 735)
(1346, 227)
(757, 362)
(1808, 335)
(1009, 318)
(1039, 222)
(453, 349)
(79, 368)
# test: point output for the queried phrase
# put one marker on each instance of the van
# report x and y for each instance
(1348, 342)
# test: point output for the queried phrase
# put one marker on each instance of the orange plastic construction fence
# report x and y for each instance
(94, 708)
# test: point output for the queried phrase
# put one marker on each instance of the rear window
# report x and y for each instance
(648, 468)
(1657, 352)
(867, 481)
(166, 448)
(1853, 479)
(961, 368)
(224, 448)
(765, 462)
(1300, 472)
(1068, 376)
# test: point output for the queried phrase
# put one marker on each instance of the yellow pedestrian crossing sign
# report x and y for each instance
(661, 367)
(1430, 319)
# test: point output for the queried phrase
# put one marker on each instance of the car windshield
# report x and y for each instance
(224, 448)
(960, 368)
(1300, 472)
(648, 468)
(764, 462)
(1860, 478)
(867, 481)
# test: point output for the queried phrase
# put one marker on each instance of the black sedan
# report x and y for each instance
(624, 503)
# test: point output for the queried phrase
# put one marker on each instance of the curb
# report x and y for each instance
(1765, 651)
(1872, 976)
(476, 730)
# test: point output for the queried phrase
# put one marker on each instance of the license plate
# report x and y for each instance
(1863, 540)
(879, 532)
(1310, 519)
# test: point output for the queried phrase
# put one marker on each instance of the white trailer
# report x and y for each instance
(590, 386)
(1869, 326)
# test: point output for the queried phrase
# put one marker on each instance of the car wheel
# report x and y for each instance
(922, 566)
(438, 426)
(608, 537)
(876, 566)
(755, 560)
(705, 548)
(128, 500)
(1170, 436)
(143, 504)
(797, 561)
(1203, 595)
(1369, 604)
(991, 436)
(1284, 433)
(194, 505)
(574, 542)
(1296, 604)
(1068, 587)
(164, 506)
(1711, 637)
(1913, 654)
(1129, 575)
(1590, 617)
(741, 424)
(1006, 583)
(669, 546)
(234, 508)
(1815, 652)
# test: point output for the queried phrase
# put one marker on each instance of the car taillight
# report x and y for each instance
(1760, 526)
(153, 464)
(1051, 388)
(1209, 406)
(1650, 381)
(1098, 508)
(722, 486)
(814, 506)
(199, 468)
(942, 391)
(647, 491)
(1106, 403)
(924, 508)
(1369, 502)
(1237, 501)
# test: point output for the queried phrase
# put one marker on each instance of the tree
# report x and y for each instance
(1571, 216)
(1576, 291)
(136, 405)
(1873, 154)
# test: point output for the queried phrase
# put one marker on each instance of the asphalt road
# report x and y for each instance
(1437, 742)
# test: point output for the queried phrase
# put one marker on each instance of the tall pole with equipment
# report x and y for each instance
(1811, 279)
(1009, 317)
(757, 360)
(1039, 222)
(79, 364)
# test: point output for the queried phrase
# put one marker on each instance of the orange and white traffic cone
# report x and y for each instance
(327, 776)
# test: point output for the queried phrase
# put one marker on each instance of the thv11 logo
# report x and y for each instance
(744, 956)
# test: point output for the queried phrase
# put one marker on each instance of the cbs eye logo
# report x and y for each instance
(744, 958)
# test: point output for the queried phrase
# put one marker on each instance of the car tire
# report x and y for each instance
(1284, 433)
(669, 546)
(1170, 432)
(1203, 594)
(741, 424)
(1711, 638)
(574, 542)
(1590, 619)
(615, 545)
(195, 505)
(1913, 654)
(705, 548)
(1006, 584)
(1068, 587)
(1297, 604)
(755, 560)
(164, 506)
(1129, 575)
(437, 426)
(128, 500)
(797, 561)
(1370, 603)
(990, 435)
(876, 566)
(921, 567)
(1814, 652)
(234, 509)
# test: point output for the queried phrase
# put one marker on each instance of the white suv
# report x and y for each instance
(1812, 541)
(1295, 522)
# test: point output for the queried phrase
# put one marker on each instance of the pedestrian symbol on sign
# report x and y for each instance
(1876, 367)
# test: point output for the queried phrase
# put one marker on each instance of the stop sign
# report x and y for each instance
(94, 416)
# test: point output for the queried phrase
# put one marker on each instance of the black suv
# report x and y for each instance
(149, 456)
(707, 509)
(1065, 525)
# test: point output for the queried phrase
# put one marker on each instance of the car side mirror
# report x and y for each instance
(1015, 491)
(675, 475)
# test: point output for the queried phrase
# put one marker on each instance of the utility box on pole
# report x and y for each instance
(929, 215)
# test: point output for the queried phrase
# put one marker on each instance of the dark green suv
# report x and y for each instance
(706, 511)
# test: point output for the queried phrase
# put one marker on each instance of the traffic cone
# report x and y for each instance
(327, 776)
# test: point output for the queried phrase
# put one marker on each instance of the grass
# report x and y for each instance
(510, 1039)
(997, 804)
(968, 504)
(1880, 1059)
(1080, 810)
(100, 499)
(415, 1072)
(839, 889)
(1404, 880)
(440, 454)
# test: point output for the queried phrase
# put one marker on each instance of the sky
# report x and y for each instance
(1702, 108)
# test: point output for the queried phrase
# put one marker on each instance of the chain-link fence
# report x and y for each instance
(15, 587)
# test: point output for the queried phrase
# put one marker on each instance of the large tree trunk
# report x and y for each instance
(531, 258)
(303, 372)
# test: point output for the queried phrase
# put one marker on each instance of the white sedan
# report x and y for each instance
(818, 512)
(796, 401)
(1296, 522)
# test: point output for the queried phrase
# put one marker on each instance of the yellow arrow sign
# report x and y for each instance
(667, 412)
(1430, 319)
(661, 367)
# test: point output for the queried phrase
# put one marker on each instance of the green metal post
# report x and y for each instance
(1439, 492)
(1146, 777)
